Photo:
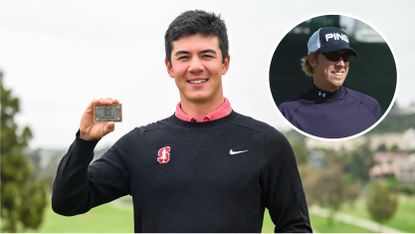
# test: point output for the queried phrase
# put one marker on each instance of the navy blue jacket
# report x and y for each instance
(342, 113)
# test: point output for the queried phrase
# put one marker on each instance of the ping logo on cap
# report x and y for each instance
(329, 39)
(336, 37)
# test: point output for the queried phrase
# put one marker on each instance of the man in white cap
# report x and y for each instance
(329, 109)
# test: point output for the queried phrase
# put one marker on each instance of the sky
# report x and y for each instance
(59, 55)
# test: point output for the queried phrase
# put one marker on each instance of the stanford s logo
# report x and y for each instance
(163, 155)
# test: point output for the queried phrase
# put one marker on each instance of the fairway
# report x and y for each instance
(402, 220)
(111, 218)
(318, 224)
(114, 218)
(105, 218)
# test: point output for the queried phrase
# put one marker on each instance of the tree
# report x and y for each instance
(301, 151)
(381, 202)
(23, 200)
(309, 176)
(352, 193)
(331, 187)
(357, 163)
(325, 187)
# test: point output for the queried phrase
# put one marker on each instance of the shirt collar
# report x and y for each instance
(320, 95)
(224, 110)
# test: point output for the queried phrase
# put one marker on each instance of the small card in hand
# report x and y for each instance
(108, 113)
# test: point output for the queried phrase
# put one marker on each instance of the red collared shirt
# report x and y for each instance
(224, 110)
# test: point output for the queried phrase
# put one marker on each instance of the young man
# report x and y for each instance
(329, 109)
(204, 169)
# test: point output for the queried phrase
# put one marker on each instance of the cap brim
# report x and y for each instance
(331, 48)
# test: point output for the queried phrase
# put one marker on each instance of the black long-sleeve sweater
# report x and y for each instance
(217, 176)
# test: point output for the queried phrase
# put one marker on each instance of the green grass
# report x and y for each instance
(111, 218)
(404, 218)
(105, 218)
(319, 224)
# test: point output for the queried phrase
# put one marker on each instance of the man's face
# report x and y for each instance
(329, 75)
(197, 67)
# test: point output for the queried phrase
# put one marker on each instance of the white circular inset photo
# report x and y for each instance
(333, 77)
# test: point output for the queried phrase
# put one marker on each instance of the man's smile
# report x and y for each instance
(197, 80)
(338, 74)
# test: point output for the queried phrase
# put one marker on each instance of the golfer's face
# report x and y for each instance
(330, 75)
(197, 67)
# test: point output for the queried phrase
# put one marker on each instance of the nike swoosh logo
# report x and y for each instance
(231, 152)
